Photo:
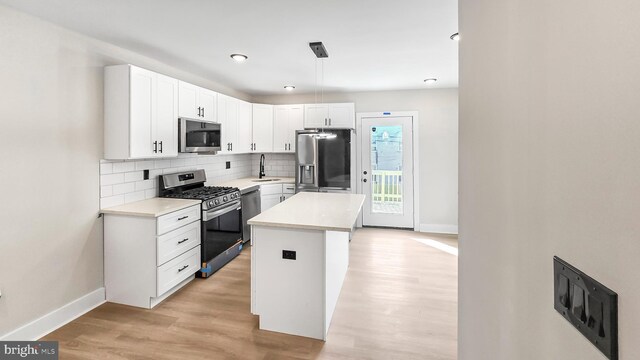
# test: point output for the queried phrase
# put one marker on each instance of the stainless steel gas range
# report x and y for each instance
(221, 231)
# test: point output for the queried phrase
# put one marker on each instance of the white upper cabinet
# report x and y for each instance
(166, 130)
(287, 119)
(263, 128)
(332, 116)
(342, 116)
(227, 110)
(197, 102)
(140, 113)
(316, 115)
(244, 128)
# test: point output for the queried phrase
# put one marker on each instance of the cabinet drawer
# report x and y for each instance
(288, 189)
(177, 219)
(269, 189)
(178, 241)
(177, 270)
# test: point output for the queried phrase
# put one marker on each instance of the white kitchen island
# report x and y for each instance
(298, 296)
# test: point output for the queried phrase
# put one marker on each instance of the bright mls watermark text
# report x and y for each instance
(28, 350)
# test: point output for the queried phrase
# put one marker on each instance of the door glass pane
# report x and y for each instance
(386, 169)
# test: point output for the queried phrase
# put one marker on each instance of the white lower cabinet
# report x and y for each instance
(146, 259)
(273, 194)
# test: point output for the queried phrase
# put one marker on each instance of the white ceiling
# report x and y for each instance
(372, 45)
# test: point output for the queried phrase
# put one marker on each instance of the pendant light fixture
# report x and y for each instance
(321, 53)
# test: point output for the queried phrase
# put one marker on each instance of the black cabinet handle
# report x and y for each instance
(182, 268)
(183, 240)
(365, 180)
(202, 112)
(160, 146)
(182, 218)
(155, 146)
(231, 146)
(199, 111)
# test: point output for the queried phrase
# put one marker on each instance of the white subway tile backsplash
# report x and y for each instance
(151, 193)
(134, 196)
(122, 181)
(111, 179)
(124, 166)
(106, 168)
(110, 201)
(153, 174)
(145, 165)
(177, 162)
(123, 188)
(106, 191)
(190, 162)
(145, 185)
(161, 164)
(133, 176)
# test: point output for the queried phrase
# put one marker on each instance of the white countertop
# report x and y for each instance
(249, 181)
(151, 207)
(312, 210)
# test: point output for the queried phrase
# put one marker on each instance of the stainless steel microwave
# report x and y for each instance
(197, 136)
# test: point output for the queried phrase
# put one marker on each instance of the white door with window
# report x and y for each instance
(387, 171)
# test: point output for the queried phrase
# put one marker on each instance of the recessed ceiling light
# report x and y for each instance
(289, 87)
(430, 81)
(455, 37)
(239, 57)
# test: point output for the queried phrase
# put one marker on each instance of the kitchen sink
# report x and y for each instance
(265, 180)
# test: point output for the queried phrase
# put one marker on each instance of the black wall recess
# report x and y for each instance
(589, 306)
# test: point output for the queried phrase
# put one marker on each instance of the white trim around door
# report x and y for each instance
(416, 157)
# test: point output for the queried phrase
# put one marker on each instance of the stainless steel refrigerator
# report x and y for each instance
(323, 160)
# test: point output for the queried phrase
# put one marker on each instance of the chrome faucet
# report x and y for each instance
(261, 174)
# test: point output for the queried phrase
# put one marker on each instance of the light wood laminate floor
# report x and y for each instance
(399, 301)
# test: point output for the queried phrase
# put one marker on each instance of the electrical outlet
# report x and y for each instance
(228, 164)
(288, 254)
(587, 305)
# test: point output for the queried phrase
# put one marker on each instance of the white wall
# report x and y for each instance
(549, 165)
(438, 114)
(50, 151)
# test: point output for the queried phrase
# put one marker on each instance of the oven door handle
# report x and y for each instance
(208, 215)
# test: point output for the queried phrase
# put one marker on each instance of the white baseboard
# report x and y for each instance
(57, 318)
(439, 228)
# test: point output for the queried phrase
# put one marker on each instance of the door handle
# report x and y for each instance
(202, 112)
(231, 146)
(364, 180)
(183, 240)
(199, 111)
(160, 146)
(155, 147)
(365, 172)
(182, 268)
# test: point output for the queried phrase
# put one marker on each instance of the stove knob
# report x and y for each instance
(217, 202)
(225, 198)
(210, 203)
